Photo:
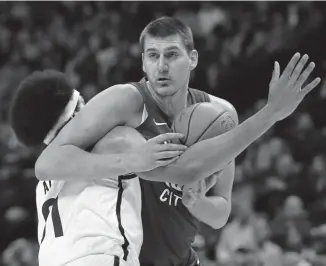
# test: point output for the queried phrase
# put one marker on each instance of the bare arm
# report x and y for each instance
(285, 94)
(120, 105)
(215, 210)
(65, 158)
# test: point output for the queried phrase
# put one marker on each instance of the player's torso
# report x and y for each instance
(169, 228)
(89, 218)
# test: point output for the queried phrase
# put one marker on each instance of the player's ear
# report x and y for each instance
(193, 57)
(142, 57)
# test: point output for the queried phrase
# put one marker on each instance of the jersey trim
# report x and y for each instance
(116, 261)
(57, 226)
(128, 176)
(118, 212)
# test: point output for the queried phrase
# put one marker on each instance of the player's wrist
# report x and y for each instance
(269, 114)
(126, 163)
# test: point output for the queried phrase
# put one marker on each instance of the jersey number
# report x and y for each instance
(57, 225)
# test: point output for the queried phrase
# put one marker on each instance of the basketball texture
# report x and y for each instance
(203, 121)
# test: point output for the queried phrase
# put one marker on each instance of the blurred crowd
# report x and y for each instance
(279, 198)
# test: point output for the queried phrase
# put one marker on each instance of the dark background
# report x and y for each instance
(281, 175)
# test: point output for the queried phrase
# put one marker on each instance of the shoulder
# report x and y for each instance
(199, 96)
(120, 104)
(126, 90)
(221, 103)
(125, 96)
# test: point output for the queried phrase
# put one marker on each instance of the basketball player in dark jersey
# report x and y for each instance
(169, 227)
(168, 59)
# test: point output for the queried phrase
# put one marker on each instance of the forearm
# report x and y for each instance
(211, 155)
(72, 163)
(213, 210)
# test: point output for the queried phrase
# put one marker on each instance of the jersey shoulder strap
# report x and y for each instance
(149, 102)
(198, 96)
(141, 87)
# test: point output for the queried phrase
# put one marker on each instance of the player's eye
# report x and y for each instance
(171, 54)
(153, 55)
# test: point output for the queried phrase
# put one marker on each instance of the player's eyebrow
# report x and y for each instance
(174, 47)
(151, 50)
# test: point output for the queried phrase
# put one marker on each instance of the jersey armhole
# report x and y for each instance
(145, 115)
(145, 112)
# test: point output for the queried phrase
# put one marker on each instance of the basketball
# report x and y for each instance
(202, 121)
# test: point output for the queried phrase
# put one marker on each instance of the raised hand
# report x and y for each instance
(285, 91)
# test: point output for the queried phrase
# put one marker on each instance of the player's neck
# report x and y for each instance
(171, 105)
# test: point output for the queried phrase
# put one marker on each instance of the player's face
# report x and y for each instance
(167, 64)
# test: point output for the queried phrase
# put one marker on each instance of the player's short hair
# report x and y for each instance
(167, 26)
(37, 105)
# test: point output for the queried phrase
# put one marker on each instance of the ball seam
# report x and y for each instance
(204, 131)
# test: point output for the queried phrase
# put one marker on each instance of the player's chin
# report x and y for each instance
(166, 90)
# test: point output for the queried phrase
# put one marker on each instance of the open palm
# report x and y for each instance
(285, 91)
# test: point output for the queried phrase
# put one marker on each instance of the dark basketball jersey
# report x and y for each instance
(169, 228)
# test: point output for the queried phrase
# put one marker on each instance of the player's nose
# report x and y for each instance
(162, 65)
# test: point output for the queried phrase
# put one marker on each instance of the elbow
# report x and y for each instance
(223, 218)
(44, 166)
(40, 170)
(222, 221)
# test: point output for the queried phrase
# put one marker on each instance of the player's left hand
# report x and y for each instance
(193, 192)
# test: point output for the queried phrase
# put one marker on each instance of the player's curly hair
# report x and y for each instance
(167, 26)
(37, 105)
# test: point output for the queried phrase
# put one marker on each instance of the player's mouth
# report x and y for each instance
(162, 80)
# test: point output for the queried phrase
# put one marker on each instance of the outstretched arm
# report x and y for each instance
(65, 157)
(285, 94)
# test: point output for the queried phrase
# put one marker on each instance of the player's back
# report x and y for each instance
(169, 228)
(85, 218)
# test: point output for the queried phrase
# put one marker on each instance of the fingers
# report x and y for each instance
(297, 71)
(166, 137)
(309, 87)
(167, 154)
(166, 162)
(277, 70)
(290, 66)
(297, 79)
(171, 147)
(190, 198)
(304, 76)
(276, 73)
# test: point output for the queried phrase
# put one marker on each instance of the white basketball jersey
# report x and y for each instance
(88, 218)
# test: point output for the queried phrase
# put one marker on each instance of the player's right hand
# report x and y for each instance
(156, 152)
(285, 91)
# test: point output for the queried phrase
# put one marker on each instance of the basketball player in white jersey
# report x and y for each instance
(86, 222)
